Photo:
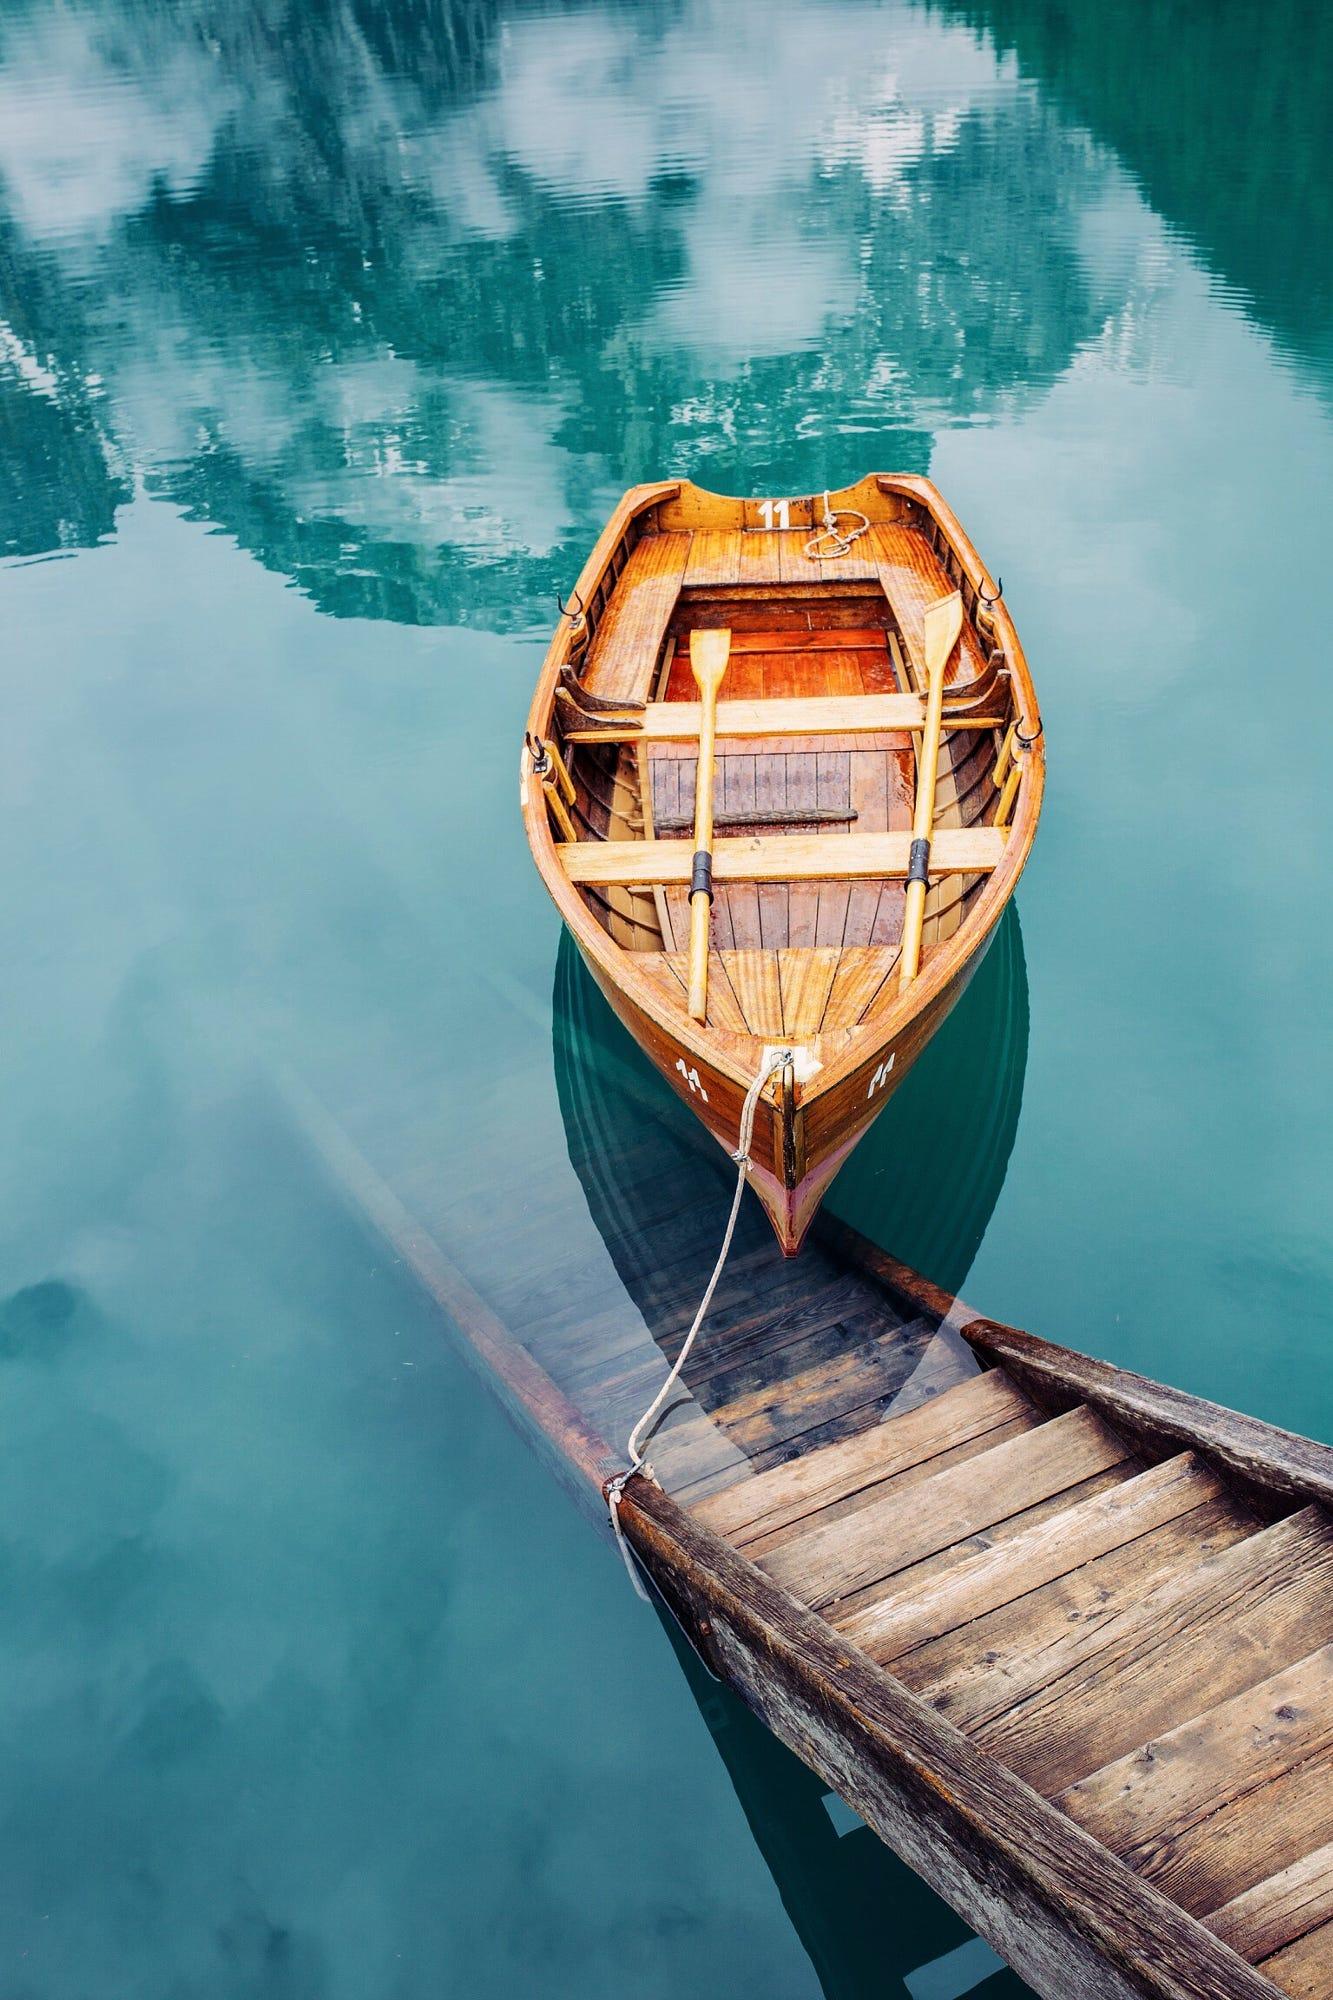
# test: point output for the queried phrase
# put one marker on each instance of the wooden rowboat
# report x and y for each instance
(1061, 1635)
(862, 712)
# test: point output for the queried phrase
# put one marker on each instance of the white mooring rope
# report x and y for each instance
(831, 540)
(774, 1061)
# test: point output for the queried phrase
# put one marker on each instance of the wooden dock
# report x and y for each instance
(1062, 1636)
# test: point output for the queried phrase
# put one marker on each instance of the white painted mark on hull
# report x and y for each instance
(881, 1076)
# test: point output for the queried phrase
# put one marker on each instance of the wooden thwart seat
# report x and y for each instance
(913, 578)
(799, 716)
(624, 653)
(971, 850)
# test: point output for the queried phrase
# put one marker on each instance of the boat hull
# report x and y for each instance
(810, 946)
(801, 1139)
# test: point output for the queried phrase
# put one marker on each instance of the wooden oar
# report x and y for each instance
(709, 653)
(943, 623)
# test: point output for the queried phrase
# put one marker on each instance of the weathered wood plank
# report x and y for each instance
(1274, 1461)
(759, 1545)
(822, 1561)
(1280, 1910)
(959, 1673)
(1067, 1915)
(777, 1500)
(994, 1535)
(998, 1577)
(839, 1383)
(1305, 1969)
(1251, 1838)
(1194, 1640)
(1142, 1802)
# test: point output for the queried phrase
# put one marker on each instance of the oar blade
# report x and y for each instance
(943, 624)
(709, 652)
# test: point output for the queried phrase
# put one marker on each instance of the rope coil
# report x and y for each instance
(614, 1489)
(831, 540)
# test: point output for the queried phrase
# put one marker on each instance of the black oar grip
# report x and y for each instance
(701, 878)
(918, 862)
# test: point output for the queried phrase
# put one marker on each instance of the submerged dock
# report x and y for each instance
(1062, 1636)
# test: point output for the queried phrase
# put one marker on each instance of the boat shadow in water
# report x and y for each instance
(657, 1189)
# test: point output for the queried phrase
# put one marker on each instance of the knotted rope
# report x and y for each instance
(775, 1059)
(831, 540)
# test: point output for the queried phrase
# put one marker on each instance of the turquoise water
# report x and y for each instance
(328, 335)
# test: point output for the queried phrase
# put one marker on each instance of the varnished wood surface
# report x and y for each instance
(816, 743)
(800, 715)
(627, 644)
(789, 858)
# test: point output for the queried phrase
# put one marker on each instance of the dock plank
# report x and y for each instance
(1305, 1969)
(1280, 1910)
(1146, 1799)
(774, 1501)
(823, 1561)
(1060, 1713)
(999, 1577)
(839, 1383)
(1258, 1835)
(960, 1672)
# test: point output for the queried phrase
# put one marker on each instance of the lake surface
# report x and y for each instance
(328, 337)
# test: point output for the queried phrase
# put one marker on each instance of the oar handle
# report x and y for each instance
(701, 924)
